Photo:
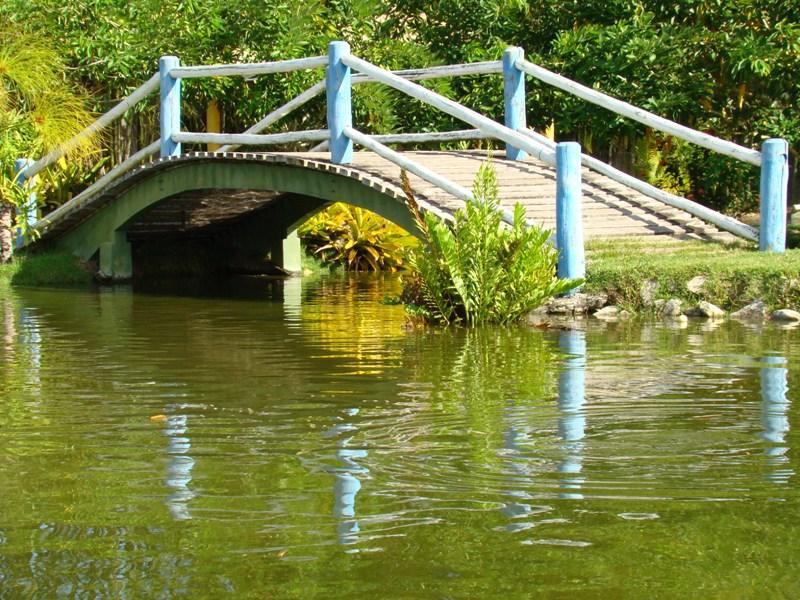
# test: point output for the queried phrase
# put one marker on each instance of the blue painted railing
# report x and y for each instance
(343, 70)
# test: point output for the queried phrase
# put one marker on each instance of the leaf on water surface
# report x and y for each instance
(158, 418)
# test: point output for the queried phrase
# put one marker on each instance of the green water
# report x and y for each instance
(311, 447)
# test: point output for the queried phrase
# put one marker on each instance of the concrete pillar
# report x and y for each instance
(286, 253)
(116, 262)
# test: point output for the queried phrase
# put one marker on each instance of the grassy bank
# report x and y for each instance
(734, 275)
(44, 270)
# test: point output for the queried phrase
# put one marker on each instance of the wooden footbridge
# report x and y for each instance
(250, 203)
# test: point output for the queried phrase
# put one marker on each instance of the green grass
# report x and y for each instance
(735, 275)
(40, 270)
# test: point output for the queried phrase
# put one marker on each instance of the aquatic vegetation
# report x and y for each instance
(476, 270)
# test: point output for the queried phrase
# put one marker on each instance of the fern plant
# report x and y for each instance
(477, 270)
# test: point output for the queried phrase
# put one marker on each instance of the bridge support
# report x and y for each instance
(170, 117)
(774, 190)
(569, 225)
(285, 253)
(28, 212)
(115, 258)
(339, 96)
(514, 97)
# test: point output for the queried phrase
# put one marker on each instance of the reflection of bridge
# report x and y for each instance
(245, 205)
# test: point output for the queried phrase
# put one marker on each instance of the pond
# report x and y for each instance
(295, 440)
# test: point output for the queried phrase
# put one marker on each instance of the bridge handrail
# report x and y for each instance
(248, 69)
(639, 114)
(122, 168)
(140, 93)
(452, 108)
(724, 222)
(251, 139)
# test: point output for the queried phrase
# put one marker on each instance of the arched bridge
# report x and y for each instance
(245, 205)
(248, 204)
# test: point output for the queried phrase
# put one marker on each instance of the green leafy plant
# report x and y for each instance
(357, 239)
(38, 112)
(476, 270)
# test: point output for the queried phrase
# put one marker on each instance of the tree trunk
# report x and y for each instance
(6, 231)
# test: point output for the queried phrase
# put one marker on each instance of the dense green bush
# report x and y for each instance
(356, 239)
(476, 270)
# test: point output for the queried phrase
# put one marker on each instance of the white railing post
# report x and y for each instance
(774, 190)
(569, 226)
(170, 118)
(28, 212)
(514, 97)
(339, 95)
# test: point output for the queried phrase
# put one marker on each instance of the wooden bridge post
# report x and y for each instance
(339, 95)
(774, 190)
(170, 118)
(29, 211)
(569, 227)
(514, 97)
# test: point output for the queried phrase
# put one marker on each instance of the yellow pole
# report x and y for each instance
(213, 122)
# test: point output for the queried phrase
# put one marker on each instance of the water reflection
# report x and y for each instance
(179, 468)
(346, 485)
(9, 329)
(774, 417)
(293, 301)
(572, 419)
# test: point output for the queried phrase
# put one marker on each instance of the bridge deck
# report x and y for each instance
(609, 209)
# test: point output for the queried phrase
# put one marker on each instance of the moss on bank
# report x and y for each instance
(734, 275)
(45, 270)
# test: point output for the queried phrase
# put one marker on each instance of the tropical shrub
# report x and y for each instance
(357, 239)
(39, 111)
(476, 270)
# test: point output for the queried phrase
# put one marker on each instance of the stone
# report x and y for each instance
(612, 313)
(695, 284)
(710, 311)
(677, 322)
(671, 308)
(576, 304)
(786, 314)
(648, 292)
(752, 312)
(659, 305)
